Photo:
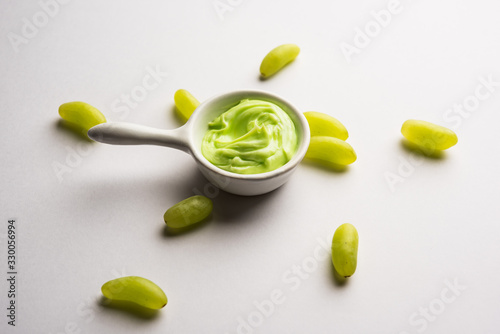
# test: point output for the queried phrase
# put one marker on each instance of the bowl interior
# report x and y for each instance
(212, 108)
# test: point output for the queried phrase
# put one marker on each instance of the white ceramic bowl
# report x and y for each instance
(189, 138)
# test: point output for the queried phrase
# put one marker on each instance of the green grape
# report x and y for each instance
(345, 250)
(331, 149)
(137, 290)
(190, 211)
(277, 58)
(325, 125)
(185, 104)
(81, 114)
(429, 136)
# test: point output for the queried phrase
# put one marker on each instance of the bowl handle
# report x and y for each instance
(134, 134)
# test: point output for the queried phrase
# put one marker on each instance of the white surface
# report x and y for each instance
(104, 219)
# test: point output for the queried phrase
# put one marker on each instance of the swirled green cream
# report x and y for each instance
(252, 137)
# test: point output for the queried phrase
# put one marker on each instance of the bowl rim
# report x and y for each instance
(299, 120)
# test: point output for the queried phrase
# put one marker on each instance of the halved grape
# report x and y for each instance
(322, 124)
(185, 104)
(429, 136)
(137, 290)
(331, 149)
(277, 58)
(82, 114)
(345, 250)
(190, 211)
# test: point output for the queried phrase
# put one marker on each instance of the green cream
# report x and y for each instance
(252, 137)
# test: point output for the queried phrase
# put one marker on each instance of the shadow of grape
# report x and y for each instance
(421, 151)
(128, 308)
(174, 232)
(263, 78)
(325, 165)
(72, 129)
(336, 278)
(177, 115)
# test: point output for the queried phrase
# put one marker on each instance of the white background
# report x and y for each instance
(104, 217)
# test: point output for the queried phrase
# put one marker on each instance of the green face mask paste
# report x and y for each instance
(250, 138)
